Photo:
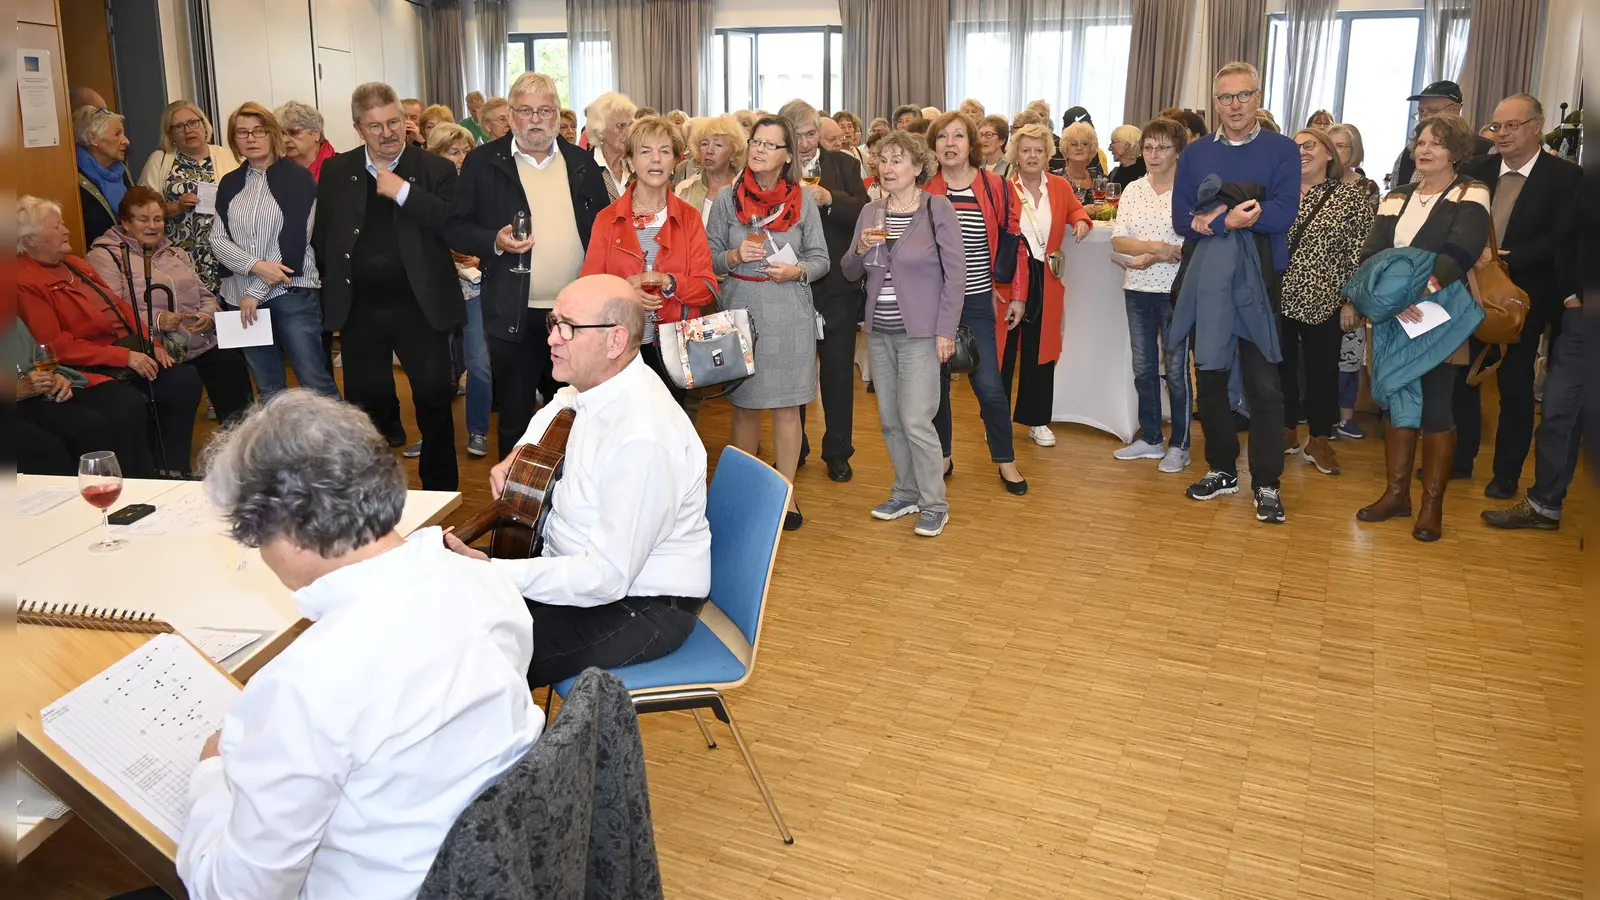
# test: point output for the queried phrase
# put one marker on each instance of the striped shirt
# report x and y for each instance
(251, 236)
(649, 248)
(886, 309)
(974, 239)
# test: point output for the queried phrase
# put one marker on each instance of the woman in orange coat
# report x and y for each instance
(1030, 324)
(654, 240)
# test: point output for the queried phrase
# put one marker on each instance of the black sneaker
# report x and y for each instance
(1214, 485)
(1269, 506)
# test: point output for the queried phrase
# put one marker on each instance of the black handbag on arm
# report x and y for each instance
(1004, 267)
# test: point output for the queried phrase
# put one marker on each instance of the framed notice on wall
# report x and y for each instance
(36, 96)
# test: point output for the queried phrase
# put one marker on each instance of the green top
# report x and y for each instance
(471, 124)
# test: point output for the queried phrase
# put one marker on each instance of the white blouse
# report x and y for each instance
(1035, 219)
(1144, 214)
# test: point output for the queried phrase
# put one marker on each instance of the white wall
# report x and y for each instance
(1557, 72)
(175, 48)
(261, 51)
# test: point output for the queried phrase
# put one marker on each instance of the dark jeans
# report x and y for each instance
(1438, 388)
(1036, 387)
(569, 639)
(520, 371)
(386, 324)
(977, 313)
(1149, 316)
(1317, 346)
(227, 380)
(1555, 453)
(110, 416)
(836, 363)
(1514, 434)
(177, 397)
(1265, 396)
(297, 337)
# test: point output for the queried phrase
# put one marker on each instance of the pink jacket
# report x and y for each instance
(170, 265)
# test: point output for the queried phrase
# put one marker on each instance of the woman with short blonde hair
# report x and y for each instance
(186, 160)
(1126, 143)
(606, 120)
(433, 116)
(451, 141)
(720, 148)
(494, 117)
(1080, 147)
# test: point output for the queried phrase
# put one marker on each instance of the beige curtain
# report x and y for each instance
(1236, 31)
(894, 53)
(1502, 54)
(494, 23)
(1160, 44)
(441, 40)
(676, 56)
(1310, 35)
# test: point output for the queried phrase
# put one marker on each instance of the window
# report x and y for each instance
(1375, 63)
(542, 53)
(764, 68)
(1070, 58)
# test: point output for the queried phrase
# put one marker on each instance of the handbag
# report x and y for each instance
(718, 348)
(1505, 309)
(965, 357)
(133, 340)
(1004, 267)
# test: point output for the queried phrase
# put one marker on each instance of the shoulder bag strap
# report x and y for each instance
(110, 304)
(1297, 232)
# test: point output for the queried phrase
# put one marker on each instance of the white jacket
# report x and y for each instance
(159, 166)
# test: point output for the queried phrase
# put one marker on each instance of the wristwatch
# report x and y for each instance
(672, 286)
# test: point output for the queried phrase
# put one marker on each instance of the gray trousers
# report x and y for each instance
(905, 371)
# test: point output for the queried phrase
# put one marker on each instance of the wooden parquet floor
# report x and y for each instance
(1106, 690)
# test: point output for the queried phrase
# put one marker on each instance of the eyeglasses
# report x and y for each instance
(1307, 146)
(1240, 97)
(568, 330)
(1156, 148)
(1507, 127)
(986, 135)
(195, 124)
(767, 145)
(256, 132)
(377, 128)
(1080, 145)
(529, 112)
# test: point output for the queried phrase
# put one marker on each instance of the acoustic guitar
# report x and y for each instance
(517, 517)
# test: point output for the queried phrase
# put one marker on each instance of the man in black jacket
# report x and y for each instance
(388, 281)
(840, 196)
(1535, 209)
(1437, 99)
(531, 170)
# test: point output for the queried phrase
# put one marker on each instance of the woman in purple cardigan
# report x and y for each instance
(914, 293)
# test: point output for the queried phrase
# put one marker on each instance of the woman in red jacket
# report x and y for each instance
(985, 206)
(654, 240)
(1030, 325)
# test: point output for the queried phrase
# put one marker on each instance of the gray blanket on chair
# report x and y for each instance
(570, 821)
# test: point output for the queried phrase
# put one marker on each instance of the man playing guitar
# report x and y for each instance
(626, 563)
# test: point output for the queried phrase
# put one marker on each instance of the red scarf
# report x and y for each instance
(749, 200)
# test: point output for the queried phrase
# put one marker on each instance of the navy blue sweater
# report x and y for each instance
(1271, 160)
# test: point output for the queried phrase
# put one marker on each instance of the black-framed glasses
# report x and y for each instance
(1237, 97)
(195, 124)
(768, 145)
(569, 330)
(1508, 127)
(1156, 148)
(256, 132)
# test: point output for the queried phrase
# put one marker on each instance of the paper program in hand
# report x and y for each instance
(231, 332)
(1433, 315)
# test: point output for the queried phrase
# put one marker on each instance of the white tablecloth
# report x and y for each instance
(1094, 377)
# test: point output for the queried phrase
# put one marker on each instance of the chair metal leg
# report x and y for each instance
(704, 731)
(755, 773)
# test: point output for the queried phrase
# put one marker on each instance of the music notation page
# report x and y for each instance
(139, 726)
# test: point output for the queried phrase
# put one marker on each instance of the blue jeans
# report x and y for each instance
(297, 337)
(977, 313)
(480, 384)
(1149, 314)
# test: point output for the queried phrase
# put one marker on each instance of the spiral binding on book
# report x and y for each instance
(91, 618)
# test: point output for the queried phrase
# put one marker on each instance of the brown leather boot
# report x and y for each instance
(1438, 454)
(1399, 448)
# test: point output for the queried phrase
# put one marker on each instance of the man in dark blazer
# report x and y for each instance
(840, 196)
(1442, 98)
(388, 281)
(1535, 209)
(530, 170)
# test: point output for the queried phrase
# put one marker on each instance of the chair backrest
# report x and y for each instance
(745, 506)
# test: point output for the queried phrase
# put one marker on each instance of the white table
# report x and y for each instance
(1094, 377)
(192, 579)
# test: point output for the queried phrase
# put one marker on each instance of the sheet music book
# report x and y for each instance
(139, 726)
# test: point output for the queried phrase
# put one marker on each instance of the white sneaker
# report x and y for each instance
(1042, 435)
(1176, 460)
(1140, 449)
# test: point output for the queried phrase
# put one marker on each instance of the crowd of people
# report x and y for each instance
(916, 229)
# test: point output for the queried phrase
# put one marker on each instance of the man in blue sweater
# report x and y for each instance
(1267, 165)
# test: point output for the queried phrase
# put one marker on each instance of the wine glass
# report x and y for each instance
(521, 229)
(652, 283)
(1113, 191)
(100, 483)
(877, 226)
(44, 359)
(1099, 189)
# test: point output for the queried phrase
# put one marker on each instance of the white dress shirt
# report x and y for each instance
(372, 169)
(1525, 171)
(628, 517)
(346, 760)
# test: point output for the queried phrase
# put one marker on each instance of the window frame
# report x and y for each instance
(720, 39)
(1342, 68)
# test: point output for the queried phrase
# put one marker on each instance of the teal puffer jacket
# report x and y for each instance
(1387, 283)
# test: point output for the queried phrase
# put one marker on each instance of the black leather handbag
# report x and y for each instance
(965, 358)
(1004, 267)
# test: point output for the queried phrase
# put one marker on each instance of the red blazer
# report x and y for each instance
(991, 214)
(69, 315)
(682, 252)
(1065, 209)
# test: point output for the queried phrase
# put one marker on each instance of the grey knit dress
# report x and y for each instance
(781, 314)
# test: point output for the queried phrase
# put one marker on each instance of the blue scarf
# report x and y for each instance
(112, 181)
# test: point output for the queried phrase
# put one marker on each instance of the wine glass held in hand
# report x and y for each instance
(44, 359)
(521, 229)
(100, 483)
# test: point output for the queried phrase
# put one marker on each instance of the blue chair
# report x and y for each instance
(745, 506)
